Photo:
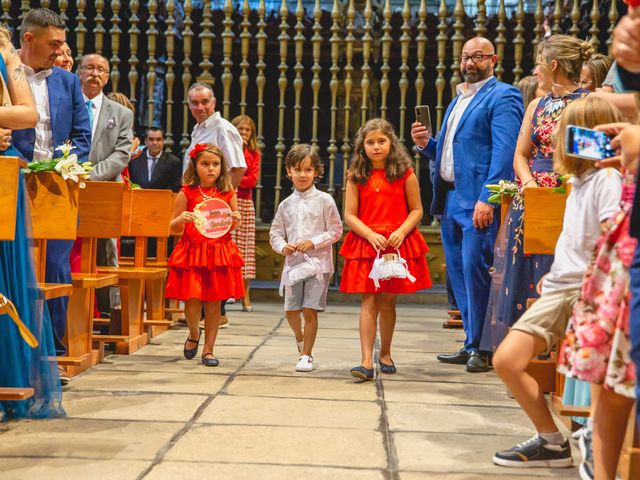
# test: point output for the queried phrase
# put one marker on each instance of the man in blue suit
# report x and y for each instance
(63, 116)
(474, 148)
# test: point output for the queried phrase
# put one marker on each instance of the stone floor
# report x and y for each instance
(154, 415)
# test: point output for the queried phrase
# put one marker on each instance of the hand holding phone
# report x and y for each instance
(588, 144)
(423, 116)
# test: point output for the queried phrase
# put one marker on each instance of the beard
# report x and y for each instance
(476, 76)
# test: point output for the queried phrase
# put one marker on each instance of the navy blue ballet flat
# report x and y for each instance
(388, 368)
(362, 373)
(208, 360)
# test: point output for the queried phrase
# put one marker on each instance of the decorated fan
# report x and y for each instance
(213, 218)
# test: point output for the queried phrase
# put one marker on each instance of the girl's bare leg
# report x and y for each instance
(369, 309)
(192, 310)
(387, 325)
(211, 325)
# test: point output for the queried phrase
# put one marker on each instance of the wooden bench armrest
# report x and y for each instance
(109, 338)
(9, 393)
(75, 361)
(94, 280)
(55, 290)
(132, 273)
(569, 410)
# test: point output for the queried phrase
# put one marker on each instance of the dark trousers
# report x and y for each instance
(58, 270)
(469, 256)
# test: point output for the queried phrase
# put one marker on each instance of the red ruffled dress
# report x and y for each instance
(382, 206)
(208, 269)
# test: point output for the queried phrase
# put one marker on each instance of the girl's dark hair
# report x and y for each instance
(396, 163)
(223, 184)
(299, 152)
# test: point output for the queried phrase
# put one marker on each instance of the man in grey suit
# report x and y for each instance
(111, 123)
(111, 136)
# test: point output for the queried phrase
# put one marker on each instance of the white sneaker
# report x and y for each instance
(231, 301)
(305, 364)
(578, 433)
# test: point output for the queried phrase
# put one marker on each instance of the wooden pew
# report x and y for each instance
(100, 214)
(145, 213)
(9, 177)
(53, 203)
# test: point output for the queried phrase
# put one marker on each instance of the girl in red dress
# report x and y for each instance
(382, 210)
(203, 271)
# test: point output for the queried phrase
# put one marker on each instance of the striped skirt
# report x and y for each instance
(245, 237)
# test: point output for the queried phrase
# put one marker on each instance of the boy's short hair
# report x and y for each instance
(301, 151)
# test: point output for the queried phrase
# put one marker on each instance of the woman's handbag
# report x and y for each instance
(389, 265)
(291, 275)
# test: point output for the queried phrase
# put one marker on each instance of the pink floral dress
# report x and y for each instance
(596, 347)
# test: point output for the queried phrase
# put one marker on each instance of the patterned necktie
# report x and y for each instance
(90, 110)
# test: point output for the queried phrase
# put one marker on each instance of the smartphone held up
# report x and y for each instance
(588, 144)
(423, 116)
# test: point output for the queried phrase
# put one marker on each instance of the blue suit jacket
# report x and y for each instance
(483, 145)
(69, 118)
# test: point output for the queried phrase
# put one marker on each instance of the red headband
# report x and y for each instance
(197, 149)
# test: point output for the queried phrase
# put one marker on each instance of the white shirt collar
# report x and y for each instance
(465, 89)
(97, 100)
(306, 193)
(31, 74)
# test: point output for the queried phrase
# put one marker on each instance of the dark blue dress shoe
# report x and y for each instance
(477, 362)
(388, 368)
(362, 373)
(458, 358)
(208, 360)
(189, 353)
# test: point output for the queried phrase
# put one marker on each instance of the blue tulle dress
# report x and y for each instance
(20, 365)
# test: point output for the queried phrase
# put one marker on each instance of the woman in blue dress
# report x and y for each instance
(20, 365)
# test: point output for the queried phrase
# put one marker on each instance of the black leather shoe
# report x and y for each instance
(477, 362)
(189, 353)
(459, 358)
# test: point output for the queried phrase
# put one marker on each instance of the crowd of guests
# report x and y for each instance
(584, 300)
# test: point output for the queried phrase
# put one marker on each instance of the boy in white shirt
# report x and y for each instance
(306, 223)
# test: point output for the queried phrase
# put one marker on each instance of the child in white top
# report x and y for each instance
(306, 223)
(594, 197)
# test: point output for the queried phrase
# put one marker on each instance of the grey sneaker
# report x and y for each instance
(535, 452)
(586, 448)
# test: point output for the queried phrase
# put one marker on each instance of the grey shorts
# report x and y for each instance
(311, 293)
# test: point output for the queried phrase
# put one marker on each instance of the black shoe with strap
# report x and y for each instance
(477, 362)
(189, 353)
(535, 452)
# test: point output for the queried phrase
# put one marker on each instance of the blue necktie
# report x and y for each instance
(154, 161)
(90, 110)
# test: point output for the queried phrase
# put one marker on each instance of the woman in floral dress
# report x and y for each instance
(515, 275)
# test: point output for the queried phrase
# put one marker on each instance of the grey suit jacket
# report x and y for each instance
(111, 144)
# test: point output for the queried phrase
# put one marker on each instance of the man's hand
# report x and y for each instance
(5, 139)
(482, 215)
(626, 41)
(304, 246)
(420, 135)
(288, 250)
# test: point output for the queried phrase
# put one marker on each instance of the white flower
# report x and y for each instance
(65, 148)
(70, 169)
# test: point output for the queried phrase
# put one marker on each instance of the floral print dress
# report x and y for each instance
(596, 347)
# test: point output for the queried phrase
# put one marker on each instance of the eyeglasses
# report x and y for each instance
(475, 58)
(100, 70)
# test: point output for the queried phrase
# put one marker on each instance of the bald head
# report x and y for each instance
(477, 60)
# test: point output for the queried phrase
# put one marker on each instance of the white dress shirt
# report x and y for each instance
(43, 147)
(466, 92)
(96, 106)
(309, 215)
(221, 133)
